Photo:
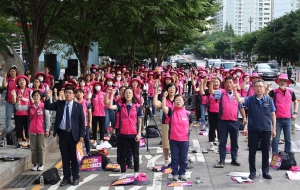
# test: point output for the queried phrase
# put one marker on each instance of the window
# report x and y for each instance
(266, 9)
(260, 24)
(267, 3)
(259, 28)
(260, 14)
(266, 18)
(260, 18)
(239, 24)
(266, 13)
(239, 16)
(260, 9)
(266, 23)
(260, 4)
(240, 20)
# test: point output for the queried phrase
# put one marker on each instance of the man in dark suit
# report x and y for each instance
(69, 126)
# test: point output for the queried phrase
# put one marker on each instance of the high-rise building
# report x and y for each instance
(245, 15)
(283, 7)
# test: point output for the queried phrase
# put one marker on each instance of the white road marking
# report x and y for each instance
(196, 143)
(56, 186)
(200, 157)
(187, 175)
(90, 177)
(118, 174)
(157, 180)
(135, 188)
(152, 160)
(112, 156)
(178, 188)
(104, 188)
(141, 159)
(119, 188)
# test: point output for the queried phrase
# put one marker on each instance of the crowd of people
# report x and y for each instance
(111, 96)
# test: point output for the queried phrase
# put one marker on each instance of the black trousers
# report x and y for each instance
(290, 77)
(67, 147)
(253, 139)
(129, 154)
(21, 123)
(213, 121)
(198, 112)
(101, 121)
(123, 146)
(189, 87)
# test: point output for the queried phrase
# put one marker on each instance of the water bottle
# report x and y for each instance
(5, 142)
(41, 182)
(260, 176)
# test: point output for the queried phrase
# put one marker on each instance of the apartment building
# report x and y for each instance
(244, 15)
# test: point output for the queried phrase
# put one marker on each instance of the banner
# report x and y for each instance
(176, 184)
(142, 143)
(276, 161)
(79, 152)
(125, 181)
(91, 163)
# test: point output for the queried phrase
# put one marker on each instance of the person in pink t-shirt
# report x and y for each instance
(180, 121)
(49, 79)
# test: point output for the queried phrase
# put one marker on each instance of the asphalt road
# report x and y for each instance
(203, 167)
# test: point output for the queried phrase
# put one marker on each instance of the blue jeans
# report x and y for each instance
(285, 125)
(110, 117)
(202, 110)
(231, 127)
(150, 103)
(179, 152)
(9, 109)
(87, 142)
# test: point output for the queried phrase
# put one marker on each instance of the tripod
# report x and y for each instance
(148, 113)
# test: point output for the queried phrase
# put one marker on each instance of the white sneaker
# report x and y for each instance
(212, 147)
(35, 167)
(101, 142)
(41, 168)
(167, 162)
(136, 174)
(122, 176)
(95, 143)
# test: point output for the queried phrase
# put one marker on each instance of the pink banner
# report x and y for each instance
(142, 143)
(124, 181)
(276, 161)
(176, 184)
(79, 152)
(91, 163)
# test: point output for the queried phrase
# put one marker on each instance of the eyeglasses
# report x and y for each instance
(69, 93)
(260, 86)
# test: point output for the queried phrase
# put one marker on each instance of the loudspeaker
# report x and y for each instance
(73, 67)
(58, 85)
(50, 62)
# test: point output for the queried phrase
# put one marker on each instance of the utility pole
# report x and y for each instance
(250, 20)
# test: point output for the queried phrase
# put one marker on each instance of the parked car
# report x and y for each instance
(242, 63)
(265, 71)
(217, 64)
(210, 62)
(186, 65)
(180, 60)
(228, 65)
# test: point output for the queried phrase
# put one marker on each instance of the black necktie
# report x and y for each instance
(229, 93)
(67, 118)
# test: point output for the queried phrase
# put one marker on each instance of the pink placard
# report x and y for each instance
(91, 163)
(142, 143)
(276, 161)
(79, 152)
(124, 181)
(177, 184)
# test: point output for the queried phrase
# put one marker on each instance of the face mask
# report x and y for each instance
(234, 75)
(41, 78)
(109, 83)
(113, 75)
(94, 70)
(98, 88)
(82, 84)
(238, 74)
(282, 87)
(118, 73)
(118, 78)
(124, 69)
(142, 67)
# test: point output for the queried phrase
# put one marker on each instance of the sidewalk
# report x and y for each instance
(11, 169)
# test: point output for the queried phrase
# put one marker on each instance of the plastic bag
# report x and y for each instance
(296, 146)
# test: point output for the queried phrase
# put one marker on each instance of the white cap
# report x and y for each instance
(14, 66)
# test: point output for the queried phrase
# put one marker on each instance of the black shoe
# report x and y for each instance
(235, 162)
(75, 182)
(18, 146)
(65, 182)
(28, 146)
(220, 164)
(131, 167)
(267, 176)
(252, 175)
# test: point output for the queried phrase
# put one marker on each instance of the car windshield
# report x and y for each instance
(228, 65)
(272, 66)
(217, 64)
(185, 65)
(263, 66)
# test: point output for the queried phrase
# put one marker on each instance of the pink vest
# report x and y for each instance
(282, 102)
(170, 105)
(137, 95)
(179, 87)
(128, 121)
(179, 125)
(98, 104)
(83, 103)
(48, 79)
(213, 104)
(151, 88)
(36, 119)
(119, 85)
(26, 95)
(11, 85)
(228, 109)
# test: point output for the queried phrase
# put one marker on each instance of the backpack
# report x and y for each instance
(51, 176)
(151, 131)
(113, 140)
(288, 160)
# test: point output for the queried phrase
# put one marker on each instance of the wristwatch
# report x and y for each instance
(295, 113)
